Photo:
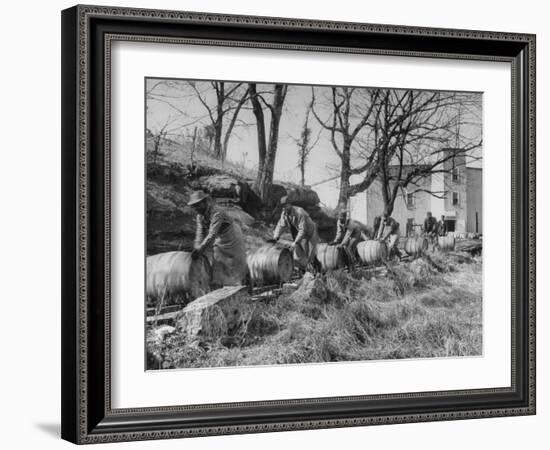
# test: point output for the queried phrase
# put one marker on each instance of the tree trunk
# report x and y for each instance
(345, 173)
(218, 128)
(267, 153)
(218, 124)
(231, 125)
(260, 132)
(194, 146)
(388, 207)
(389, 195)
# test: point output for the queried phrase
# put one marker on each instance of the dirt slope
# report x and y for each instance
(171, 223)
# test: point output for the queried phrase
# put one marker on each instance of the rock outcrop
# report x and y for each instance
(215, 315)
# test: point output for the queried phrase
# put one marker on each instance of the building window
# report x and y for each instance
(455, 175)
(410, 200)
(455, 198)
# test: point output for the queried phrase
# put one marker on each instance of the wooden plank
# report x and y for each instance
(166, 309)
(166, 318)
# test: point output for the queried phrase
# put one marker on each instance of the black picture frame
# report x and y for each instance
(87, 32)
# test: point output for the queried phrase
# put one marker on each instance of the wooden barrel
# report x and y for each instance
(331, 257)
(372, 252)
(416, 246)
(446, 243)
(270, 264)
(174, 277)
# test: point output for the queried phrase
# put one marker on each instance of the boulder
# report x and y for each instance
(215, 315)
(219, 185)
(170, 222)
(302, 196)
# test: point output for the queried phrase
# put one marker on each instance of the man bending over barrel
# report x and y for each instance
(349, 233)
(442, 227)
(388, 232)
(220, 239)
(303, 231)
(430, 227)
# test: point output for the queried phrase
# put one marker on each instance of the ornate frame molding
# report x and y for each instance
(77, 424)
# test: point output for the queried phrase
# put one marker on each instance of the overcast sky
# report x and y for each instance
(175, 103)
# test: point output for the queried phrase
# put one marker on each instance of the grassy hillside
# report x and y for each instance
(431, 307)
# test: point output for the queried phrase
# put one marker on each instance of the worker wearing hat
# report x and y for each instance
(442, 227)
(430, 225)
(303, 231)
(388, 232)
(220, 238)
(349, 233)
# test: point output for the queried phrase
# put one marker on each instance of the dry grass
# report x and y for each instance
(428, 308)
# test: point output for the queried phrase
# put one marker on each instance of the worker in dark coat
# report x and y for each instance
(388, 232)
(430, 225)
(220, 238)
(442, 228)
(303, 231)
(349, 233)
(430, 228)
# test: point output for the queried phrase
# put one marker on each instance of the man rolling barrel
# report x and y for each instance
(430, 226)
(303, 231)
(220, 239)
(388, 232)
(349, 233)
(442, 227)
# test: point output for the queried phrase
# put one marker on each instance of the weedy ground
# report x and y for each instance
(430, 307)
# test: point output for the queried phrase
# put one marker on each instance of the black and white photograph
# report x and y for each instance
(299, 224)
(275, 225)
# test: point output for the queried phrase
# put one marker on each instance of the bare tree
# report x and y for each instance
(347, 118)
(156, 139)
(209, 134)
(267, 145)
(305, 146)
(157, 135)
(229, 99)
(414, 134)
(172, 94)
(221, 102)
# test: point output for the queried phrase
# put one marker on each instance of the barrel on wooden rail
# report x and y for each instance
(446, 243)
(331, 257)
(372, 252)
(416, 246)
(174, 277)
(270, 264)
